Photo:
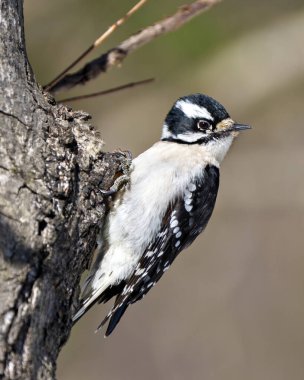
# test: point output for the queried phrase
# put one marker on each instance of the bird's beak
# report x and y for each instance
(228, 125)
(239, 127)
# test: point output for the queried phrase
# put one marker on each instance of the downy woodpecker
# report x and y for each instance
(167, 203)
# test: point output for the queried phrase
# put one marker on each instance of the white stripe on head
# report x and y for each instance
(190, 137)
(192, 110)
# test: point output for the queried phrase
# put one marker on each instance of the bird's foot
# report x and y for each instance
(121, 181)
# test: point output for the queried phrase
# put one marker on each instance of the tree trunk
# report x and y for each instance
(51, 168)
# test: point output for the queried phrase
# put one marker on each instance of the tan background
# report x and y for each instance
(232, 306)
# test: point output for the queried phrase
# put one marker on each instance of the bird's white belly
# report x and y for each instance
(134, 223)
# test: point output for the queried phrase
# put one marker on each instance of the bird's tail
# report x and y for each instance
(105, 291)
(116, 317)
(90, 297)
(113, 317)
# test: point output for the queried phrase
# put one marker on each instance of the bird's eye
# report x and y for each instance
(203, 125)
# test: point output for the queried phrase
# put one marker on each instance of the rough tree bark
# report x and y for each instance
(51, 167)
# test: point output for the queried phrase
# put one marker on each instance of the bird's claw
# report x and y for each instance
(122, 180)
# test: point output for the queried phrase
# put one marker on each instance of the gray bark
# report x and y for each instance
(52, 165)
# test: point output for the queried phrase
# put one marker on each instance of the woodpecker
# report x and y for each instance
(167, 203)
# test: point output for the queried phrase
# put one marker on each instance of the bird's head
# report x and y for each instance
(199, 119)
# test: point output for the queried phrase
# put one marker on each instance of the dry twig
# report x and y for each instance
(116, 55)
(98, 42)
(106, 92)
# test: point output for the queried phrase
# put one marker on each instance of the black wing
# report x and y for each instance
(184, 220)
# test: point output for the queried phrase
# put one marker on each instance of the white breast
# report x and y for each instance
(158, 176)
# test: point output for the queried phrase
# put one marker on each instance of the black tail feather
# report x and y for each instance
(114, 319)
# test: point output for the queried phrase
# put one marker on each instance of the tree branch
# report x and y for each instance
(106, 92)
(96, 43)
(116, 55)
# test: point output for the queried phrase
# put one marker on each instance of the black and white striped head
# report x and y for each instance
(198, 119)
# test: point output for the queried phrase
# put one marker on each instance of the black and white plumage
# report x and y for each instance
(167, 204)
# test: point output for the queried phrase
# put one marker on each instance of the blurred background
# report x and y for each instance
(232, 306)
